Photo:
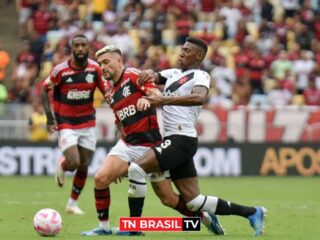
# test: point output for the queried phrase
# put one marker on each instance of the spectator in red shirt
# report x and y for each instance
(312, 94)
(40, 21)
(257, 66)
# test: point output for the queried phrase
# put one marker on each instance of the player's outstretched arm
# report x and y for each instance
(197, 97)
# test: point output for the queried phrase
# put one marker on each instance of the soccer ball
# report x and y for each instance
(47, 222)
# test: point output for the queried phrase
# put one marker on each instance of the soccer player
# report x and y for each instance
(185, 91)
(73, 83)
(139, 131)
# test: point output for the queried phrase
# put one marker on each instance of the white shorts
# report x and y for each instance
(129, 153)
(84, 137)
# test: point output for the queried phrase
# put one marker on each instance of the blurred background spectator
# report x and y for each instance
(38, 123)
(257, 49)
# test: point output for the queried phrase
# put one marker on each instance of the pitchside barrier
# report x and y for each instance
(228, 159)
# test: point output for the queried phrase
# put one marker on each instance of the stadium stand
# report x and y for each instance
(259, 50)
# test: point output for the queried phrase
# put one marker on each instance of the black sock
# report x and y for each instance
(229, 208)
(136, 206)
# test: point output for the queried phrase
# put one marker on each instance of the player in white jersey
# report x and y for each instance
(185, 91)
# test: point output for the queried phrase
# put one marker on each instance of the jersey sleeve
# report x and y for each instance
(202, 78)
(167, 72)
(52, 80)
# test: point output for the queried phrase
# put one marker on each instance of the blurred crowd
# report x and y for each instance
(261, 52)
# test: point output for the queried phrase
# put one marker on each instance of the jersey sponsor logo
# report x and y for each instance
(126, 112)
(76, 95)
(169, 93)
(89, 78)
(126, 91)
(67, 73)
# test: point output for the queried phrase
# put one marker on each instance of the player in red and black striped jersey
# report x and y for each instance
(136, 127)
(139, 131)
(73, 83)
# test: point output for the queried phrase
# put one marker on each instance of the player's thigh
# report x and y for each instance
(188, 188)
(112, 168)
(174, 151)
(72, 154)
(148, 161)
(85, 156)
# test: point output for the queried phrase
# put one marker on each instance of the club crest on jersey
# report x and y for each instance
(183, 80)
(126, 91)
(89, 78)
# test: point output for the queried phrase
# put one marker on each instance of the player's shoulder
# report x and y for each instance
(201, 73)
(132, 71)
(170, 72)
(59, 68)
(92, 62)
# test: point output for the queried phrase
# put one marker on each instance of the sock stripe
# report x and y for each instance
(204, 201)
(136, 182)
(100, 190)
(102, 193)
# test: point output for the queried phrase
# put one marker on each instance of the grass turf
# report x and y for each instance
(293, 204)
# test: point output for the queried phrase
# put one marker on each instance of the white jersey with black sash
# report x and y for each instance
(181, 120)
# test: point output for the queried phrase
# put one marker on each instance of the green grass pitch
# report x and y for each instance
(293, 204)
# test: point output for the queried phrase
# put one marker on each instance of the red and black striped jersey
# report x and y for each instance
(137, 127)
(73, 92)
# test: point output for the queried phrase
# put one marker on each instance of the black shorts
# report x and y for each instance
(175, 154)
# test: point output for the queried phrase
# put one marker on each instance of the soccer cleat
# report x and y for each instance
(97, 232)
(215, 225)
(60, 174)
(256, 220)
(74, 210)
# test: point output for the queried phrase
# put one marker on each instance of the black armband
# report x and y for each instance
(162, 79)
(50, 119)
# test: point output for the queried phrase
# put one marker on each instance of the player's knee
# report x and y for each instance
(135, 172)
(101, 180)
(196, 203)
(73, 163)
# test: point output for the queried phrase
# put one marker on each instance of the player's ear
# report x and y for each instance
(200, 55)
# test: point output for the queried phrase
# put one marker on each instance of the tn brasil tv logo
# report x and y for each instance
(159, 224)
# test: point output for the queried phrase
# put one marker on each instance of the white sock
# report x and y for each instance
(203, 203)
(104, 225)
(206, 219)
(137, 181)
(72, 202)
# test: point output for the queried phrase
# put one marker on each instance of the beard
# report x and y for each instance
(82, 59)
